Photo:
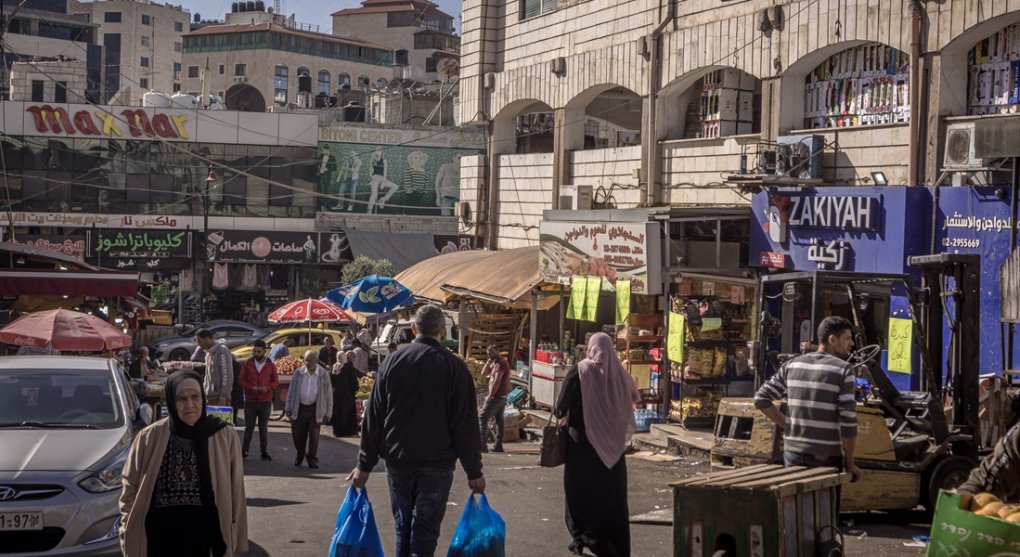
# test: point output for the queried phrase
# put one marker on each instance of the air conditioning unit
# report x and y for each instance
(558, 65)
(240, 79)
(959, 150)
(799, 156)
(576, 198)
(464, 211)
(489, 80)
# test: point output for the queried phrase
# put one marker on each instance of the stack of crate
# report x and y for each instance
(727, 103)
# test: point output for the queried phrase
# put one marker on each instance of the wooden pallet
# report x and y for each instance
(493, 328)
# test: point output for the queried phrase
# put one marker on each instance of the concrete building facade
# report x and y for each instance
(703, 90)
(142, 46)
(258, 59)
(418, 28)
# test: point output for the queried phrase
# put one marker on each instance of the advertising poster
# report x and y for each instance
(613, 251)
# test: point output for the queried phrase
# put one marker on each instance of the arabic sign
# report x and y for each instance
(81, 220)
(900, 344)
(463, 138)
(146, 265)
(254, 246)
(614, 251)
(127, 244)
(72, 245)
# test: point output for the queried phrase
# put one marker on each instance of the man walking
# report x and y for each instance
(495, 402)
(219, 369)
(259, 380)
(421, 418)
(309, 405)
(821, 429)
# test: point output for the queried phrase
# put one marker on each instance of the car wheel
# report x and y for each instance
(179, 355)
(948, 473)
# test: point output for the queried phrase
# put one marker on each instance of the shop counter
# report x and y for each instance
(546, 382)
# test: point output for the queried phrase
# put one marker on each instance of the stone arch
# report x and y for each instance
(954, 92)
(508, 135)
(801, 107)
(676, 98)
(604, 115)
(244, 98)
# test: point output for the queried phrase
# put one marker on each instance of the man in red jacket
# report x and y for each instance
(258, 379)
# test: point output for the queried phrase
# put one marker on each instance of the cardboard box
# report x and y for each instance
(956, 531)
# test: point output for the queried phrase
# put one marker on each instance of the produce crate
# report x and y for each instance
(957, 531)
(758, 511)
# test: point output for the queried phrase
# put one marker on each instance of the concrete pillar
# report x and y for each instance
(568, 136)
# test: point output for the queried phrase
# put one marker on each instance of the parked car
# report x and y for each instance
(66, 424)
(400, 332)
(298, 336)
(180, 346)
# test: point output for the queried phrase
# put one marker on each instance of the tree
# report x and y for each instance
(363, 266)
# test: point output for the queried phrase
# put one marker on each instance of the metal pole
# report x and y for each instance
(205, 238)
(533, 333)
(665, 368)
(1011, 328)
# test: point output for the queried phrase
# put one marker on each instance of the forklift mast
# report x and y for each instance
(964, 319)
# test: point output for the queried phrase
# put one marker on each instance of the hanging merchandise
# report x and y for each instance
(622, 301)
(221, 276)
(249, 277)
(578, 288)
(864, 85)
(676, 330)
(591, 299)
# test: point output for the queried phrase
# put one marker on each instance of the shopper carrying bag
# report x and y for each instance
(355, 533)
(481, 532)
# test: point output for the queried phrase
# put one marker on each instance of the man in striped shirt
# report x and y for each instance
(821, 429)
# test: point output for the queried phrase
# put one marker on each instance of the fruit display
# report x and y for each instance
(287, 365)
(477, 369)
(986, 504)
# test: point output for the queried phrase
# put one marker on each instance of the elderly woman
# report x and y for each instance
(597, 406)
(345, 388)
(184, 476)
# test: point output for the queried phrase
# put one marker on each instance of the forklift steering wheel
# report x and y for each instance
(864, 355)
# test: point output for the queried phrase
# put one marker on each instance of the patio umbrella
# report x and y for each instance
(309, 311)
(64, 330)
(372, 294)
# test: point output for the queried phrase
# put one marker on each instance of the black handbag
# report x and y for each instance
(554, 444)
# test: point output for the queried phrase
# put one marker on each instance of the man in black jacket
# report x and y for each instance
(421, 418)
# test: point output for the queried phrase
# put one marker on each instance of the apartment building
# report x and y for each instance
(422, 35)
(685, 103)
(142, 46)
(45, 44)
(258, 59)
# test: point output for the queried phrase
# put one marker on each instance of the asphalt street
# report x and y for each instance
(292, 510)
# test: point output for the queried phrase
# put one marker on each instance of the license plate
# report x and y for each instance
(20, 521)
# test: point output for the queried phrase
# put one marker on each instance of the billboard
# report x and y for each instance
(613, 251)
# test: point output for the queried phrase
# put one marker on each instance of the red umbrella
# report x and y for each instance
(309, 310)
(64, 330)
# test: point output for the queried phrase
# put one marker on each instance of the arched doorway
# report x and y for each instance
(711, 103)
(863, 85)
(245, 98)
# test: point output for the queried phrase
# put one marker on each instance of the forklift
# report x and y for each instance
(910, 444)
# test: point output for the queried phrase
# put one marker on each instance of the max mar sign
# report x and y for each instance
(128, 123)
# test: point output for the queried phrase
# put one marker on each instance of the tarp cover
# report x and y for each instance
(496, 276)
(42, 282)
(403, 250)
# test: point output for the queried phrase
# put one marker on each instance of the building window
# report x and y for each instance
(37, 91)
(192, 71)
(60, 93)
(323, 83)
(178, 26)
(343, 80)
(177, 87)
(430, 64)
(280, 84)
(381, 83)
(535, 8)
(240, 69)
(144, 82)
(178, 47)
(146, 20)
(145, 61)
(145, 40)
(223, 69)
(363, 81)
(111, 17)
(177, 71)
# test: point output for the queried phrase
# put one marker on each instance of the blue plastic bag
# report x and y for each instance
(355, 533)
(481, 532)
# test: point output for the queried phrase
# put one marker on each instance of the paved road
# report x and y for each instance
(291, 510)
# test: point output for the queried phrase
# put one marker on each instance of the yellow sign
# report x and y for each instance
(677, 328)
(711, 324)
(901, 331)
(591, 303)
(577, 295)
(622, 301)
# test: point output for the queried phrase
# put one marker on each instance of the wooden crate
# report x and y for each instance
(759, 511)
(492, 328)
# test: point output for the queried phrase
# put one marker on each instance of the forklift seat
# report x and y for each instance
(906, 408)
(909, 446)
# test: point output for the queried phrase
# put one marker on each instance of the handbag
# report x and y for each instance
(554, 444)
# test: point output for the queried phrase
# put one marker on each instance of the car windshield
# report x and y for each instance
(59, 399)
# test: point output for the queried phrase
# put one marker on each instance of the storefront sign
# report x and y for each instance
(461, 138)
(72, 245)
(253, 246)
(613, 251)
(773, 259)
(147, 265)
(829, 212)
(138, 122)
(81, 220)
(126, 244)
(827, 255)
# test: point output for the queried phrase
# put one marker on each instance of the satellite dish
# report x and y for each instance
(448, 67)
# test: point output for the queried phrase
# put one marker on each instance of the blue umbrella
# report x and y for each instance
(372, 294)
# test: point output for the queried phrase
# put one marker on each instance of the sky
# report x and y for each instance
(315, 12)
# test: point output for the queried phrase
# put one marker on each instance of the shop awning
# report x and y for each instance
(40, 282)
(501, 277)
(403, 250)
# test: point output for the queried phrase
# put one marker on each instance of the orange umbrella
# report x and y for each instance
(64, 330)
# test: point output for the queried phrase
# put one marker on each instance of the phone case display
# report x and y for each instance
(993, 85)
(718, 320)
(861, 86)
(726, 105)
